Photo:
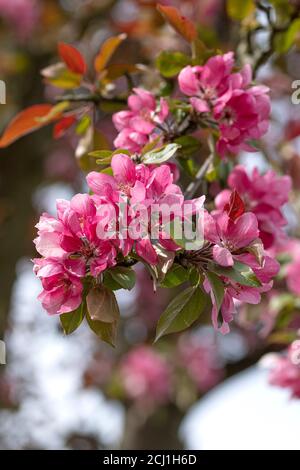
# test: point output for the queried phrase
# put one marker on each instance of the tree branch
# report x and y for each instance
(194, 185)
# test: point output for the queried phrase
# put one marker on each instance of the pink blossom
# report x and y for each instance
(240, 110)
(264, 195)
(285, 372)
(245, 117)
(207, 85)
(231, 233)
(23, 15)
(235, 292)
(137, 126)
(62, 290)
(293, 267)
(146, 376)
(201, 361)
(141, 186)
(73, 236)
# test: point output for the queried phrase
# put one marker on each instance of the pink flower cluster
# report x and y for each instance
(240, 110)
(146, 376)
(264, 195)
(141, 187)
(85, 237)
(285, 372)
(232, 232)
(138, 125)
(71, 249)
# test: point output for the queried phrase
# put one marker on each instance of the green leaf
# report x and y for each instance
(170, 63)
(89, 141)
(110, 283)
(105, 331)
(238, 10)
(103, 156)
(83, 125)
(70, 321)
(107, 171)
(150, 146)
(160, 155)
(212, 174)
(189, 145)
(118, 151)
(283, 337)
(123, 276)
(184, 234)
(188, 165)
(285, 301)
(175, 276)
(217, 288)
(111, 106)
(285, 40)
(182, 312)
(194, 276)
(240, 273)
(200, 53)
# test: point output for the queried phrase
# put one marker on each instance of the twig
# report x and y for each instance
(92, 98)
(274, 31)
(194, 185)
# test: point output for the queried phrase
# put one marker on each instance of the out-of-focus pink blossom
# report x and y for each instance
(137, 126)
(264, 195)
(62, 290)
(293, 268)
(285, 371)
(146, 376)
(22, 15)
(200, 360)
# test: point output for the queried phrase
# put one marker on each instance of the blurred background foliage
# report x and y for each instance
(75, 392)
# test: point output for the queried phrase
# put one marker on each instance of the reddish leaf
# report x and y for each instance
(292, 130)
(25, 122)
(72, 58)
(180, 23)
(107, 50)
(236, 207)
(102, 305)
(62, 126)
